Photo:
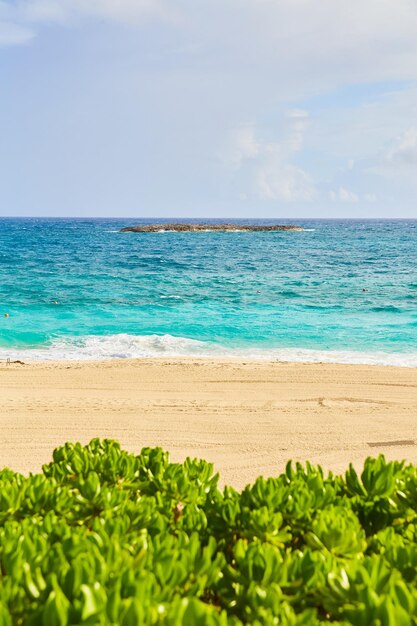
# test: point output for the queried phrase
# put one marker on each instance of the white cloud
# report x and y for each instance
(13, 34)
(19, 19)
(343, 195)
(282, 181)
(370, 197)
(304, 47)
(38, 11)
(243, 145)
(278, 177)
(119, 10)
(397, 163)
(269, 164)
(299, 46)
(404, 152)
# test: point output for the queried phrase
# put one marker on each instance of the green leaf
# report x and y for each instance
(93, 600)
(55, 612)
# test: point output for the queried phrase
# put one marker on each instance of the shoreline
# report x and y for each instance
(302, 356)
(248, 417)
(209, 360)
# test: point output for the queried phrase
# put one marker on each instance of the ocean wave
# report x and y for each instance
(389, 308)
(125, 346)
(288, 293)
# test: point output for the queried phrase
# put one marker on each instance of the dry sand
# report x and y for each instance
(248, 418)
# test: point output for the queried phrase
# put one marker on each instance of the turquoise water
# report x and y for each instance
(285, 295)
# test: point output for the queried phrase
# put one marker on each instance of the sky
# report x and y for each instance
(222, 108)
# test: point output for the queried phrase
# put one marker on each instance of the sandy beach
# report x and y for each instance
(248, 418)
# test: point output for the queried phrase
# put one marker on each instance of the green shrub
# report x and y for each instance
(105, 537)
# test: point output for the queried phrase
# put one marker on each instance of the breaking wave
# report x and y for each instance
(125, 346)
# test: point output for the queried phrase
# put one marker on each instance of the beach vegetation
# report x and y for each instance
(106, 537)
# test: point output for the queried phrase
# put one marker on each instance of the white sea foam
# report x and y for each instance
(170, 297)
(124, 346)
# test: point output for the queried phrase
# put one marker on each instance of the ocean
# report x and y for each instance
(340, 291)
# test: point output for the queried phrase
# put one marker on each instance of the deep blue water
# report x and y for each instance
(292, 295)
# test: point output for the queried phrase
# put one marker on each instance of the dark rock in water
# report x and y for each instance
(194, 228)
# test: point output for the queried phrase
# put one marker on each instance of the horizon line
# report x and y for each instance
(158, 217)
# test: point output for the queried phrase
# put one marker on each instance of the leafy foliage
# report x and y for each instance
(105, 537)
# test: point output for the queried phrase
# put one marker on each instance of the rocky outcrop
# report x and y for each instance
(194, 228)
